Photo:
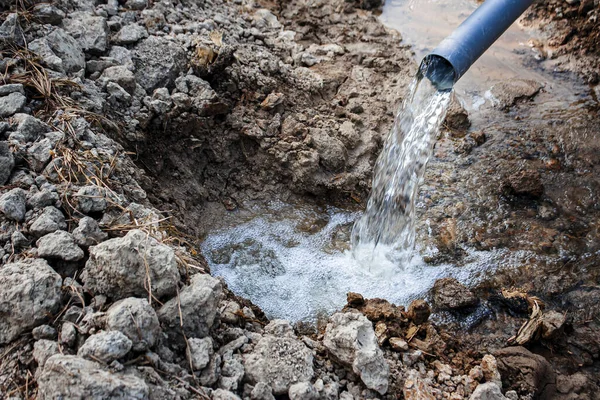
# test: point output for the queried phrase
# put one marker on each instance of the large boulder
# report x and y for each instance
(158, 62)
(72, 377)
(133, 265)
(194, 310)
(29, 293)
(280, 362)
(137, 320)
(350, 338)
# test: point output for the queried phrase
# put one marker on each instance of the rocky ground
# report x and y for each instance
(122, 120)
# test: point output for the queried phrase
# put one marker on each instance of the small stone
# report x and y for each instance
(41, 198)
(136, 4)
(48, 14)
(262, 391)
(88, 233)
(158, 62)
(44, 349)
(487, 391)
(7, 162)
(552, 322)
(29, 127)
(398, 344)
(229, 312)
(303, 391)
(355, 299)
(130, 34)
(409, 358)
(13, 204)
(511, 395)
(137, 320)
(221, 394)
(11, 32)
(121, 76)
(510, 92)
(89, 30)
(105, 346)
(11, 88)
(419, 311)
(68, 334)
(450, 294)
(66, 48)
(49, 221)
(44, 332)
(416, 388)
(60, 245)
(490, 371)
(18, 240)
(200, 352)
(12, 104)
(91, 199)
(524, 182)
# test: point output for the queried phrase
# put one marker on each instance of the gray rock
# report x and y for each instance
(158, 62)
(262, 391)
(211, 373)
(105, 346)
(91, 198)
(12, 104)
(204, 100)
(264, 18)
(130, 34)
(350, 338)
(137, 320)
(14, 204)
(7, 162)
(131, 266)
(508, 93)
(48, 14)
(332, 152)
(68, 334)
(279, 362)
(11, 32)
(88, 233)
(221, 394)
(44, 349)
(123, 56)
(232, 373)
(49, 221)
(200, 352)
(117, 93)
(59, 245)
(198, 303)
(40, 153)
(29, 293)
(136, 4)
(119, 75)
(90, 31)
(487, 391)
(72, 377)
(38, 199)
(29, 127)
(68, 50)
(450, 294)
(303, 391)
(18, 240)
(44, 332)
(42, 48)
(11, 88)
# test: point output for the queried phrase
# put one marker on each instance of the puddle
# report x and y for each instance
(294, 263)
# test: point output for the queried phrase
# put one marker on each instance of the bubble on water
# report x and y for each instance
(297, 274)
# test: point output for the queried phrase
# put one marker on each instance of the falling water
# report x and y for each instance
(387, 227)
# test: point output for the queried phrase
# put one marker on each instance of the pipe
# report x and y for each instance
(447, 63)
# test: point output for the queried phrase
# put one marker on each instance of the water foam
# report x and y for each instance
(298, 274)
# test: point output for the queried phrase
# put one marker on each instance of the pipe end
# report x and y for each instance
(439, 71)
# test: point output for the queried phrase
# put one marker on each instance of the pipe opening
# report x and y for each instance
(439, 71)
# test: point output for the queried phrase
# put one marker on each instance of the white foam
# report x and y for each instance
(296, 275)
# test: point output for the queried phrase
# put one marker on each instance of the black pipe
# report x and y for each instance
(454, 55)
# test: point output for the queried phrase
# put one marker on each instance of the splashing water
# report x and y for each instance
(387, 228)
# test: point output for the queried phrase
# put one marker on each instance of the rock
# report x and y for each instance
(303, 391)
(200, 352)
(131, 266)
(416, 388)
(350, 338)
(60, 245)
(29, 127)
(204, 100)
(43, 350)
(7, 162)
(221, 394)
(130, 34)
(12, 104)
(211, 373)
(18, 240)
(232, 373)
(523, 371)
(89, 30)
(198, 303)
(29, 293)
(279, 362)
(11, 32)
(264, 18)
(68, 334)
(119, 75)
(41, 199)
(409, 358)
(332, 152)
(398, 344)
(262, 391)
(552, 323)
(72, 377)
(88, 233)
(49, 221)
(457, 119)
(158, 62)
(44, 332)
(136, 4)
(450, 294)
(487, 391)
(11, 88)
(90, 199)
(419, 311)
(42, 49)
(13, 204)
(508, 93)
(137, 320)
(48, 14)
(105, 346)
(66, 49)
(489, 367)
(524, 182)
(40, 153)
